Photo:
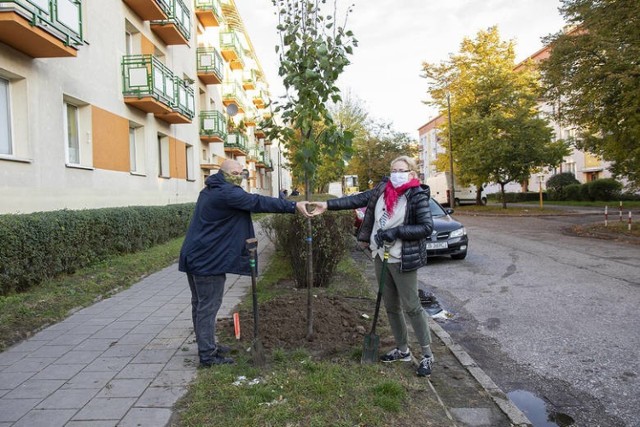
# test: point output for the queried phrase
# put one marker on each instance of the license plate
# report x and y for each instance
(437, 245)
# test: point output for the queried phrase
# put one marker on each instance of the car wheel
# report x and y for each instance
(463, 255)
(484, 201)
(456, 202)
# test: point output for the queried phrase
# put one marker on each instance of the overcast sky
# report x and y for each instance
(396, 36)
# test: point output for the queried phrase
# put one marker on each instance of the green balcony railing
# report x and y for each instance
(60, 18)
(185, 103)
(233, 92)
(267, 161)
(213, 123)
(210, 62)
(230, 45)
(145, 75)
(212, 6)
(237, 140)
(178, 14)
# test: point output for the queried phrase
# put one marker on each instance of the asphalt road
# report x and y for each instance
(548, 313)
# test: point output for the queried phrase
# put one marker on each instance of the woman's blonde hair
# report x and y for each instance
(408, 160)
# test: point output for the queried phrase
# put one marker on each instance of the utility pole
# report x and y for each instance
(279, 168)
(452, 190)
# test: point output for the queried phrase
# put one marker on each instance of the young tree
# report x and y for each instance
(497, 133)
(313, 52)
(593, 77)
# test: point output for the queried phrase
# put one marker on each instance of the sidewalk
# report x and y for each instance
(126, 361)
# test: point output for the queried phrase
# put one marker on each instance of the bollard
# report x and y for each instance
(629, 225)
(620, 210)
(606, 216)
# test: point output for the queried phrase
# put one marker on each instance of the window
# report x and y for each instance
(189, 154)
(163, 157)
(6, 146)
(136, 149)
(72, 132)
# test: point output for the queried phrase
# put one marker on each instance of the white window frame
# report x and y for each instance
(82, 113)
(164, 165)
(5, 119)
(190, 162)
(136, 150)
(68, 142)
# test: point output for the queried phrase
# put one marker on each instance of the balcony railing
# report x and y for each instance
(213, 126)
(237, 143)
(42, 28)
(249, 79)
(209, 12)
(149, 10)
(152, 87)
(176, 29)
(260, 99)
(210, 65)
(230, 46)
(232, 93)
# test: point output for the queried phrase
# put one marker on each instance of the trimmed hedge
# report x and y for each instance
(518, 197)
(40, 245)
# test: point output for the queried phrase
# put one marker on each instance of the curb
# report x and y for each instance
(515, 415)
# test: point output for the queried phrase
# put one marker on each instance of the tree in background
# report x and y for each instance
(374, 152)
(497, 132)
(593, 77)
(313, 52)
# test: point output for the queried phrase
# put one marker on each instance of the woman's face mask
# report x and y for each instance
(398, 179)
(232, 179)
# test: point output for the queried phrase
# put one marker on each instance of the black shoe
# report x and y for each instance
(217, 360)
(424, 369)
(223, 349)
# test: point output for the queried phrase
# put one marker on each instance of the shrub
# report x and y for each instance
(584, 192)
(529, 196)
(604, 189)
(331, 236)
(560, 180)
(572, 192)
(40, 245)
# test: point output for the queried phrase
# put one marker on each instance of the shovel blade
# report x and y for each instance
(370, 348)
(257, 353)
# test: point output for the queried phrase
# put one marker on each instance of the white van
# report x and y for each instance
(439, 185)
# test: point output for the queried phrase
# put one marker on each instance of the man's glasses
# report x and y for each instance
(402, 171)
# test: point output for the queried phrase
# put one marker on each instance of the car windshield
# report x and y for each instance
(436, 209)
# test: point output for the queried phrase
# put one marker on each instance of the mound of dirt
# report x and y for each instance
(338, 326)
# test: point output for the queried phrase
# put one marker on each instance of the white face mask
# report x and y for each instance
(398, 179)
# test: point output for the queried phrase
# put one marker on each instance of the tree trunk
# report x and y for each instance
(504, 197)
(307, 191)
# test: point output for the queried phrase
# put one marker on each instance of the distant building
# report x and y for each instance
(585, 166)
(134, 102)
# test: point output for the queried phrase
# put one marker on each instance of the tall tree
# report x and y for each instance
(313, 52)
(374, 152)
(497, 132)
(593, 77)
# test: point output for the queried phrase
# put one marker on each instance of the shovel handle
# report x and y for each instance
(383, 273)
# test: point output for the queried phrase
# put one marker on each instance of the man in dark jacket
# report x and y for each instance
(216, 245)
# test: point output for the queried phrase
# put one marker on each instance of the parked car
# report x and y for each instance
(449, 237)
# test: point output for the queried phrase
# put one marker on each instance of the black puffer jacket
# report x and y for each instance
(417, 227)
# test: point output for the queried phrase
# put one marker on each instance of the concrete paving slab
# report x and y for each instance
(140, 370)
(12, 410)
(89, 380)
(125, 387)
(59, 372)
(34, 389)
(161, 397)
(105, 409)
(46, 418)
(146, 417)
(68, 399)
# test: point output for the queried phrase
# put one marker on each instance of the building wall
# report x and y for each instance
(38, 176)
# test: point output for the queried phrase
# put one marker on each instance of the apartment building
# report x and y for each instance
(126, 102)
(585, 166)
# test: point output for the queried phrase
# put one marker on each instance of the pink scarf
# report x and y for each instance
(391, 194)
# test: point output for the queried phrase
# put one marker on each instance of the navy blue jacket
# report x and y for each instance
(221, 224)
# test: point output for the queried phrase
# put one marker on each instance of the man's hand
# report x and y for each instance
(316, 208)
(302, 208)
(388, 235)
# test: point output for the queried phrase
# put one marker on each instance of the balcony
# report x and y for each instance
(151, 87)
(176, 29)
(230, 46)
(259, 133)
(232, 93)
(237, 143)
(210, 65)
(149, 10)
(213, 164)
(249, 79)
(213, 126)
(42, 28)
(209, 12)
(259, 99)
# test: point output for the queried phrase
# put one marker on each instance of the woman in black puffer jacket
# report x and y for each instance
(398, 217)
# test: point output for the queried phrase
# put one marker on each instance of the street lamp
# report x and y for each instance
(452, 190)
(540, 181)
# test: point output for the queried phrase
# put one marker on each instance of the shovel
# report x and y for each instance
(372, 340)
(257, 350)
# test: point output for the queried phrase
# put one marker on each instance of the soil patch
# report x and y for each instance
(338, 326)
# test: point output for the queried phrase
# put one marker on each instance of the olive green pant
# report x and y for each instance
(400, 296)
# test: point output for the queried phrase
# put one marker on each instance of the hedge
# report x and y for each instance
(40, 245)
(518, 197)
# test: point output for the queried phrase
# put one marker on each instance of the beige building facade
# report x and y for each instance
(127, 102)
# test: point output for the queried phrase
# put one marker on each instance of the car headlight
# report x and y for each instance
(457, 233)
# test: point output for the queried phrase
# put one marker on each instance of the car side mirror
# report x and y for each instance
(449, 211)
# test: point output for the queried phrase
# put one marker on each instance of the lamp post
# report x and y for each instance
(540, 180)
(452, 190)
(279, 168)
